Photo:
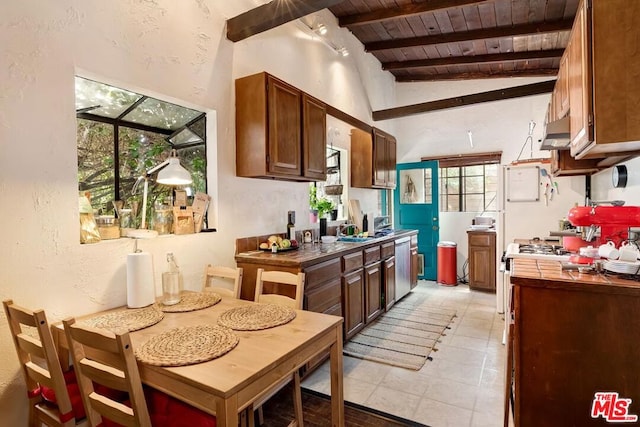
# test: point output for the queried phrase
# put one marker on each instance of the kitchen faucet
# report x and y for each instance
(341, 227)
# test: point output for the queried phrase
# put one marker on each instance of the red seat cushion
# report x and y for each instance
(74, 394)
(73, 389)
(166, 411)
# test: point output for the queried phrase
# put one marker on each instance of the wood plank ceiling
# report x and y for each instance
(428, 40)
(431, 40)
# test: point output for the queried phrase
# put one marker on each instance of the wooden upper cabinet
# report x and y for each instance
(373, 159)
(284, 128)
(562, 164)
(280, 131)
(391, 162)
(314, 138)
(561, 91)
(603, 79)
(579, 92)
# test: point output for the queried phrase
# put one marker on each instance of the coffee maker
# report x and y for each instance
(613, 222)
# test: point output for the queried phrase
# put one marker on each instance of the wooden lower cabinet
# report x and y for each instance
(573, 340)
(389, 274)
(482, 260)
(353, 302)
(373, 291)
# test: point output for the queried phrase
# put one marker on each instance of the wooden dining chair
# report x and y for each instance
(290, 280)
(225, 281)
(53, 394)
(105, 358)
(282, 280)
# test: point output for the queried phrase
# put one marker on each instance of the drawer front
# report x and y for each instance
(352, 262)
(371, 255)
(479, 240)
(387, 250)
(334, 310)
(324, 296)
(321, 273)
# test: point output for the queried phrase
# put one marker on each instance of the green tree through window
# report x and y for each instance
(122, 134)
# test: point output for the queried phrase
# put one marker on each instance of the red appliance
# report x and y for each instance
(614, 221)
(447, 263)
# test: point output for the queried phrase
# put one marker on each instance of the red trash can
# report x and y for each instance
(447, 263)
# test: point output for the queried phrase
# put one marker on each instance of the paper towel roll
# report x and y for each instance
(141, 289)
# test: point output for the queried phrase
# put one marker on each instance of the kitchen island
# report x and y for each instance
(574, 335)
(355, 280)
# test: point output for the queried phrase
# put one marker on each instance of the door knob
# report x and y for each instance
(435, 227)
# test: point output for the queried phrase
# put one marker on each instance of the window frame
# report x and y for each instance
(197, 127)
(461, 162)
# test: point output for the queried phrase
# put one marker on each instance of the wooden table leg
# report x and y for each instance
(227, 412)
(337, 392)
(508, 375)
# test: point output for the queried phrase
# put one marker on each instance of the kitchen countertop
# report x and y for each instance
(546, 273)
(309, 253)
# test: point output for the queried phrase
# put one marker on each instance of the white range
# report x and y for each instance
(538, 250)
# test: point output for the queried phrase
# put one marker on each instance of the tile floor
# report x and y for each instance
(463, 386)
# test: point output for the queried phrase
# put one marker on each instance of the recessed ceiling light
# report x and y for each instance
(321, 29)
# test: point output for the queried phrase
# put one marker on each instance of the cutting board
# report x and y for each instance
(355, 213)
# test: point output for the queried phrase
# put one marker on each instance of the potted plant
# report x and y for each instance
(313, 200)
(324, 207)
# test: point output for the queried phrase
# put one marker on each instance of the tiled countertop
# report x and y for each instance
(545, 273)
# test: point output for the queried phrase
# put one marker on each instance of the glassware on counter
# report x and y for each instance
(171, 282)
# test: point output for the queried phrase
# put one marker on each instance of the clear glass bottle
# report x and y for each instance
(171, 282)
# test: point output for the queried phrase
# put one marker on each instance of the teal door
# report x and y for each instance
(415, 203)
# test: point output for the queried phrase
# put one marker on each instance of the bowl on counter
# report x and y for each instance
(328, 239)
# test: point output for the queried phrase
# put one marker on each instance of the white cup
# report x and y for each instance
(628, 252)
(608, 250)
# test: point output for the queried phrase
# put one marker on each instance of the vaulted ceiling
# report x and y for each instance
(433, 40)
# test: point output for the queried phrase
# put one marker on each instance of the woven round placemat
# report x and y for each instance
(255, 317)
(191, 301)
(187, 345)
(130, 319)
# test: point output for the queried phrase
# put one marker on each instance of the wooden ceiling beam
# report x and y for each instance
(402, 11)
(488, 33)
(534, 72)
(473, 59)
(459, 101)
(272, 15)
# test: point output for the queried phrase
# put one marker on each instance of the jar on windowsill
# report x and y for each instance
(163, 219)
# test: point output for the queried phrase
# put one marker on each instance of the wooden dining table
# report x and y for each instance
(228, 385)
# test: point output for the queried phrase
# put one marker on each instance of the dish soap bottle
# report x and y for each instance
(171, 282)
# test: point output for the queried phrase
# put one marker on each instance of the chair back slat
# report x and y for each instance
(105, 375)
(30, 345)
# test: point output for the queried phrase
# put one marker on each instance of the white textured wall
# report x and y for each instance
(176, 50)
(602, 187)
